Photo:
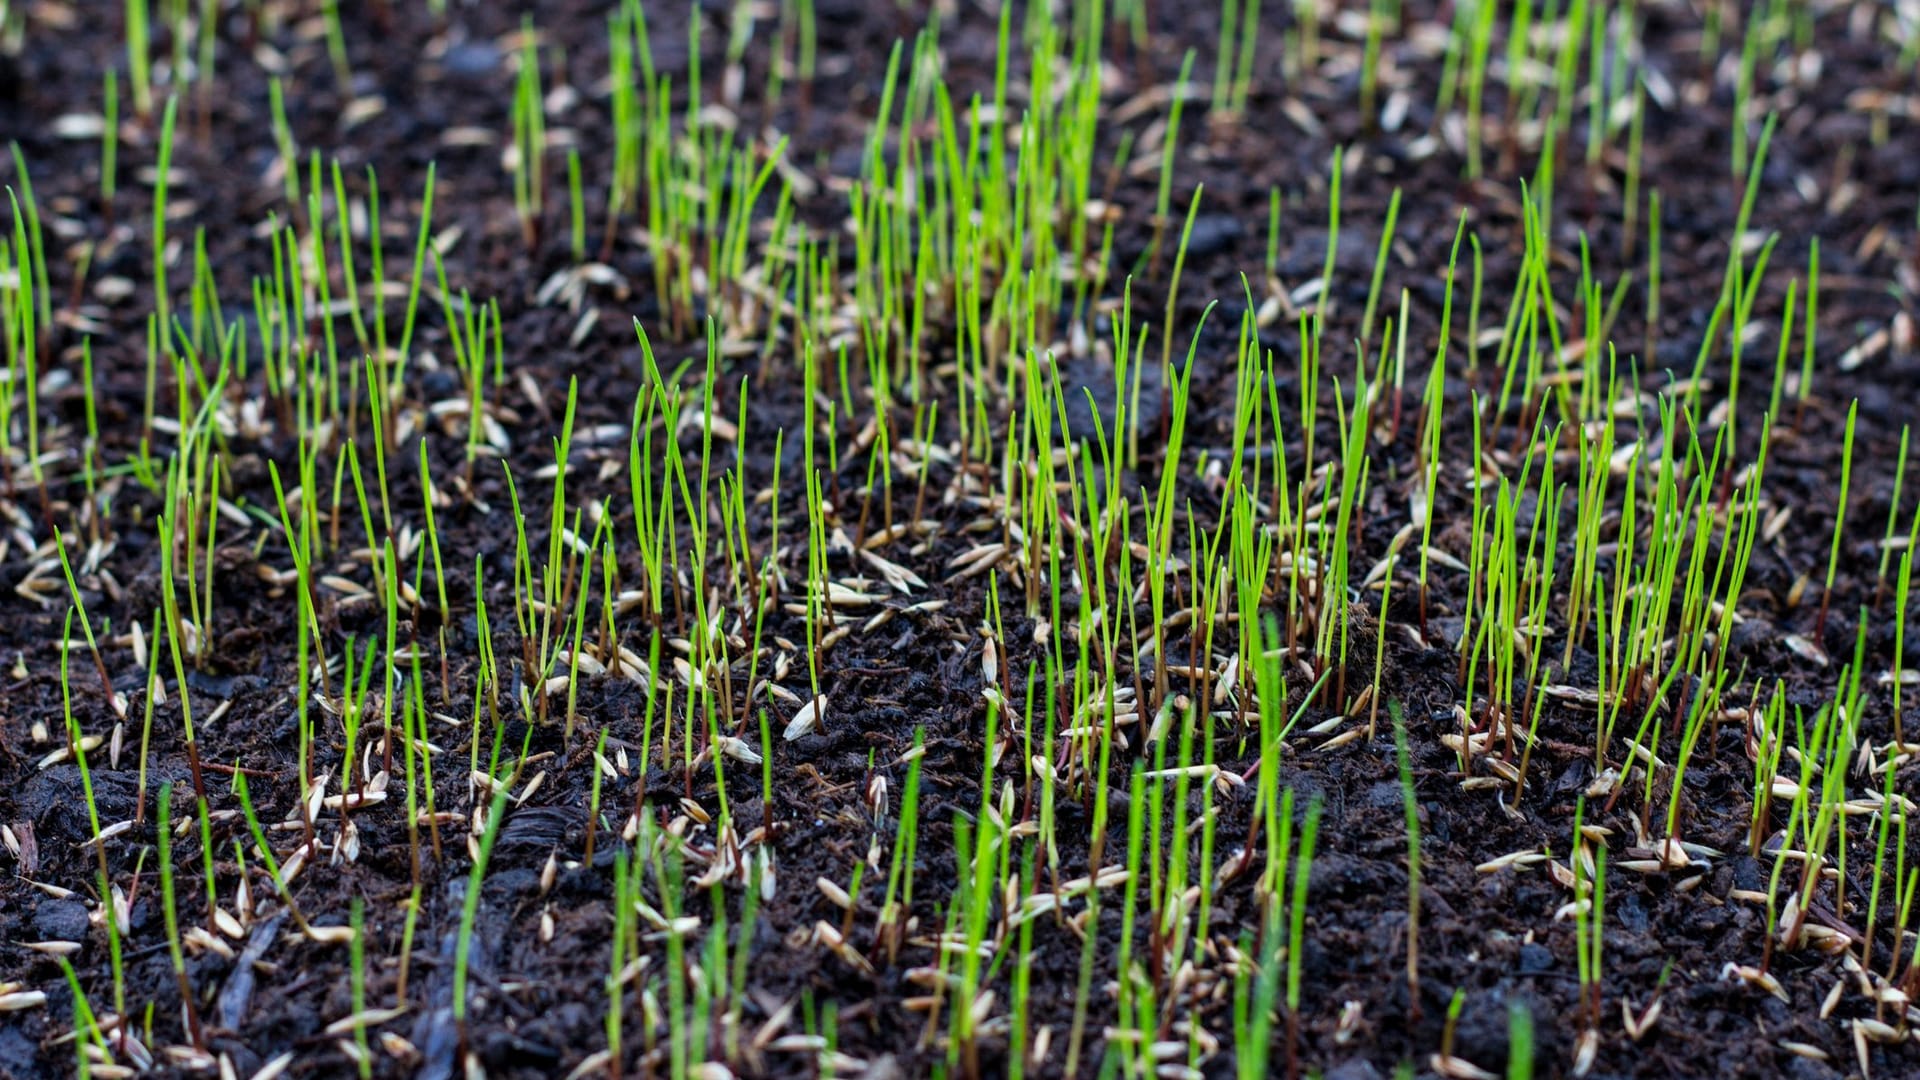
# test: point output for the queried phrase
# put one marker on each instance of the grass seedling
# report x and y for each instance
(1412, 809)
(135, 31)
(529, 137)
(115, 702)
(1893, 515)
(419, 270)
(110, 140)
(1173, 286)
(357, 963)
(1519, 1041)
(1379, 647)
(1479, 47)
(163, 167)
(577, 206)
(170, 914)
(1243, 68)
(1379, 269)
(337, 47)
(470, 903)
(1809, 338)
(84, 1019)
(1223, 55)
(617, 969)
(1901, 591)
(1589, 913)
(1162, 204)
(1379, 15)
(112, 916)
(1839, 524)
(1296, 933)
(1455, 1005)
(1333, 242)
(176, 647)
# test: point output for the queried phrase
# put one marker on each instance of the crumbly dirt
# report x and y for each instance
(542, 998)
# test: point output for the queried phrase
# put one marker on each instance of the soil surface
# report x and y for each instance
(1844, 166)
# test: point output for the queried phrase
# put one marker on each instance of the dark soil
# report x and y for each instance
(541, 998)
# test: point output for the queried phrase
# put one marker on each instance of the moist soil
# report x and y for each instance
(540, 997)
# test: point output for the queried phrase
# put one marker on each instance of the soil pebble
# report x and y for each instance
(61, 920)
